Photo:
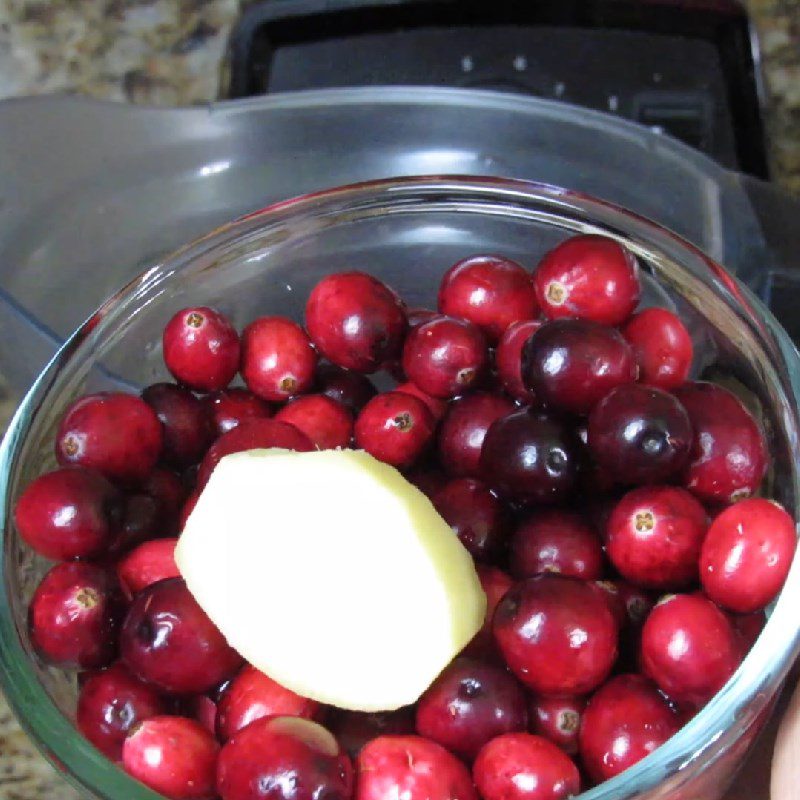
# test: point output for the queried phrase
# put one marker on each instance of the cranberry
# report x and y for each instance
(352, 389)
(252, 695)
(327, 423)
(470, 703)
(417, 316)
(148, 563)
(555, 636)
(729, 456)
(229, 407)
(74, 614)
(202, 709)
(112, 702)
(142, 519)
(464, 428)
(476, 516)
(353, 729)
(662, 346)
(508, 359)
(68, 513)
(356, 321)
(689, 648)
(521, 766)
(639, 434)
(188, 430)
(168, 640)
(284, 758)
(610, 593)
(654, 537)
(530, 457)
(495, 583)
(489, 291)
(168, 490)
(188, 507)
(748, 628)
(395, 428)
(174, 756)
(411, 768)
(278, 360)
(556, 541)
(436, 406)
(570, 364)
(747, 554)
(428, 480)
(590, 277)
(557, 719)
(201, 349)
(117, 434)
(636, 602)
(626, 720)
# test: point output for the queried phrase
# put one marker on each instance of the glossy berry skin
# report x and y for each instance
(356, 321)
(556, 541)
(689, 648)
(729, 456)
(463, 430)
(278, 360)
(142, 519)
(74, 616)
(445, 357)
(654, 536)
(252, 695)
(110, 704)
(117, 434)
(530, 457)
(590, 277)
(508, 359)
(168, 641)
(394, 428)
(662, 346)
(557, 719)
(521, 766)
(640, 435)
(201, 349)
(495, 583)
(747, 554)
(555, 636)
(626, 720)
(352, 389)
(148, 563)
(229, 407)
(175, 756)
(436, 405)
(188, 429)
(571, 364)
(489, 291)
(470, 703)
(411, 768)
(69, 513)
(284, 758)
(476, 515)
(327, 423)
(354, 729)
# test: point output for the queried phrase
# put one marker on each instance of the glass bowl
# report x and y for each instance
(407, 231)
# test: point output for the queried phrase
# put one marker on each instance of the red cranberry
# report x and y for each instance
(411, 768)
(495, 583)
(188, 430)
(174, 756)
(436, 406)
(112, 702)
(748, 628)
(68, 513)
(636, 602)
(74, 614)
(556, 541)
(395, 428)
(570, 364)
(555, 636)
(520, 766)
(464, 428)
(468, 704)
(476, 516)
(654, 536)
(117, 434)
(201, 349)
(590, 277)
(489, 291)
(610, 593)
(639, 434)
(353, 729)
(168, 490)
(148, 563)
(278, 360)
(284, 758)
(530, 457)
(230, 407)
(252, 695)
(352, 389)
(428, 480)
(729, 456)
(356, 321)
(202, 709)
(418, 316)
(327, 423)
(626, 720)
(747, 554)
(142, 519)
(557, 719)
(188, 507)
(689, 648)
(168, 640)
(662, 346)
(508, 358)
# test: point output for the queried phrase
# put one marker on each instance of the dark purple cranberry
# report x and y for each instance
(230, 407)
(142, 520)
(353, 729)
(351, 389)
